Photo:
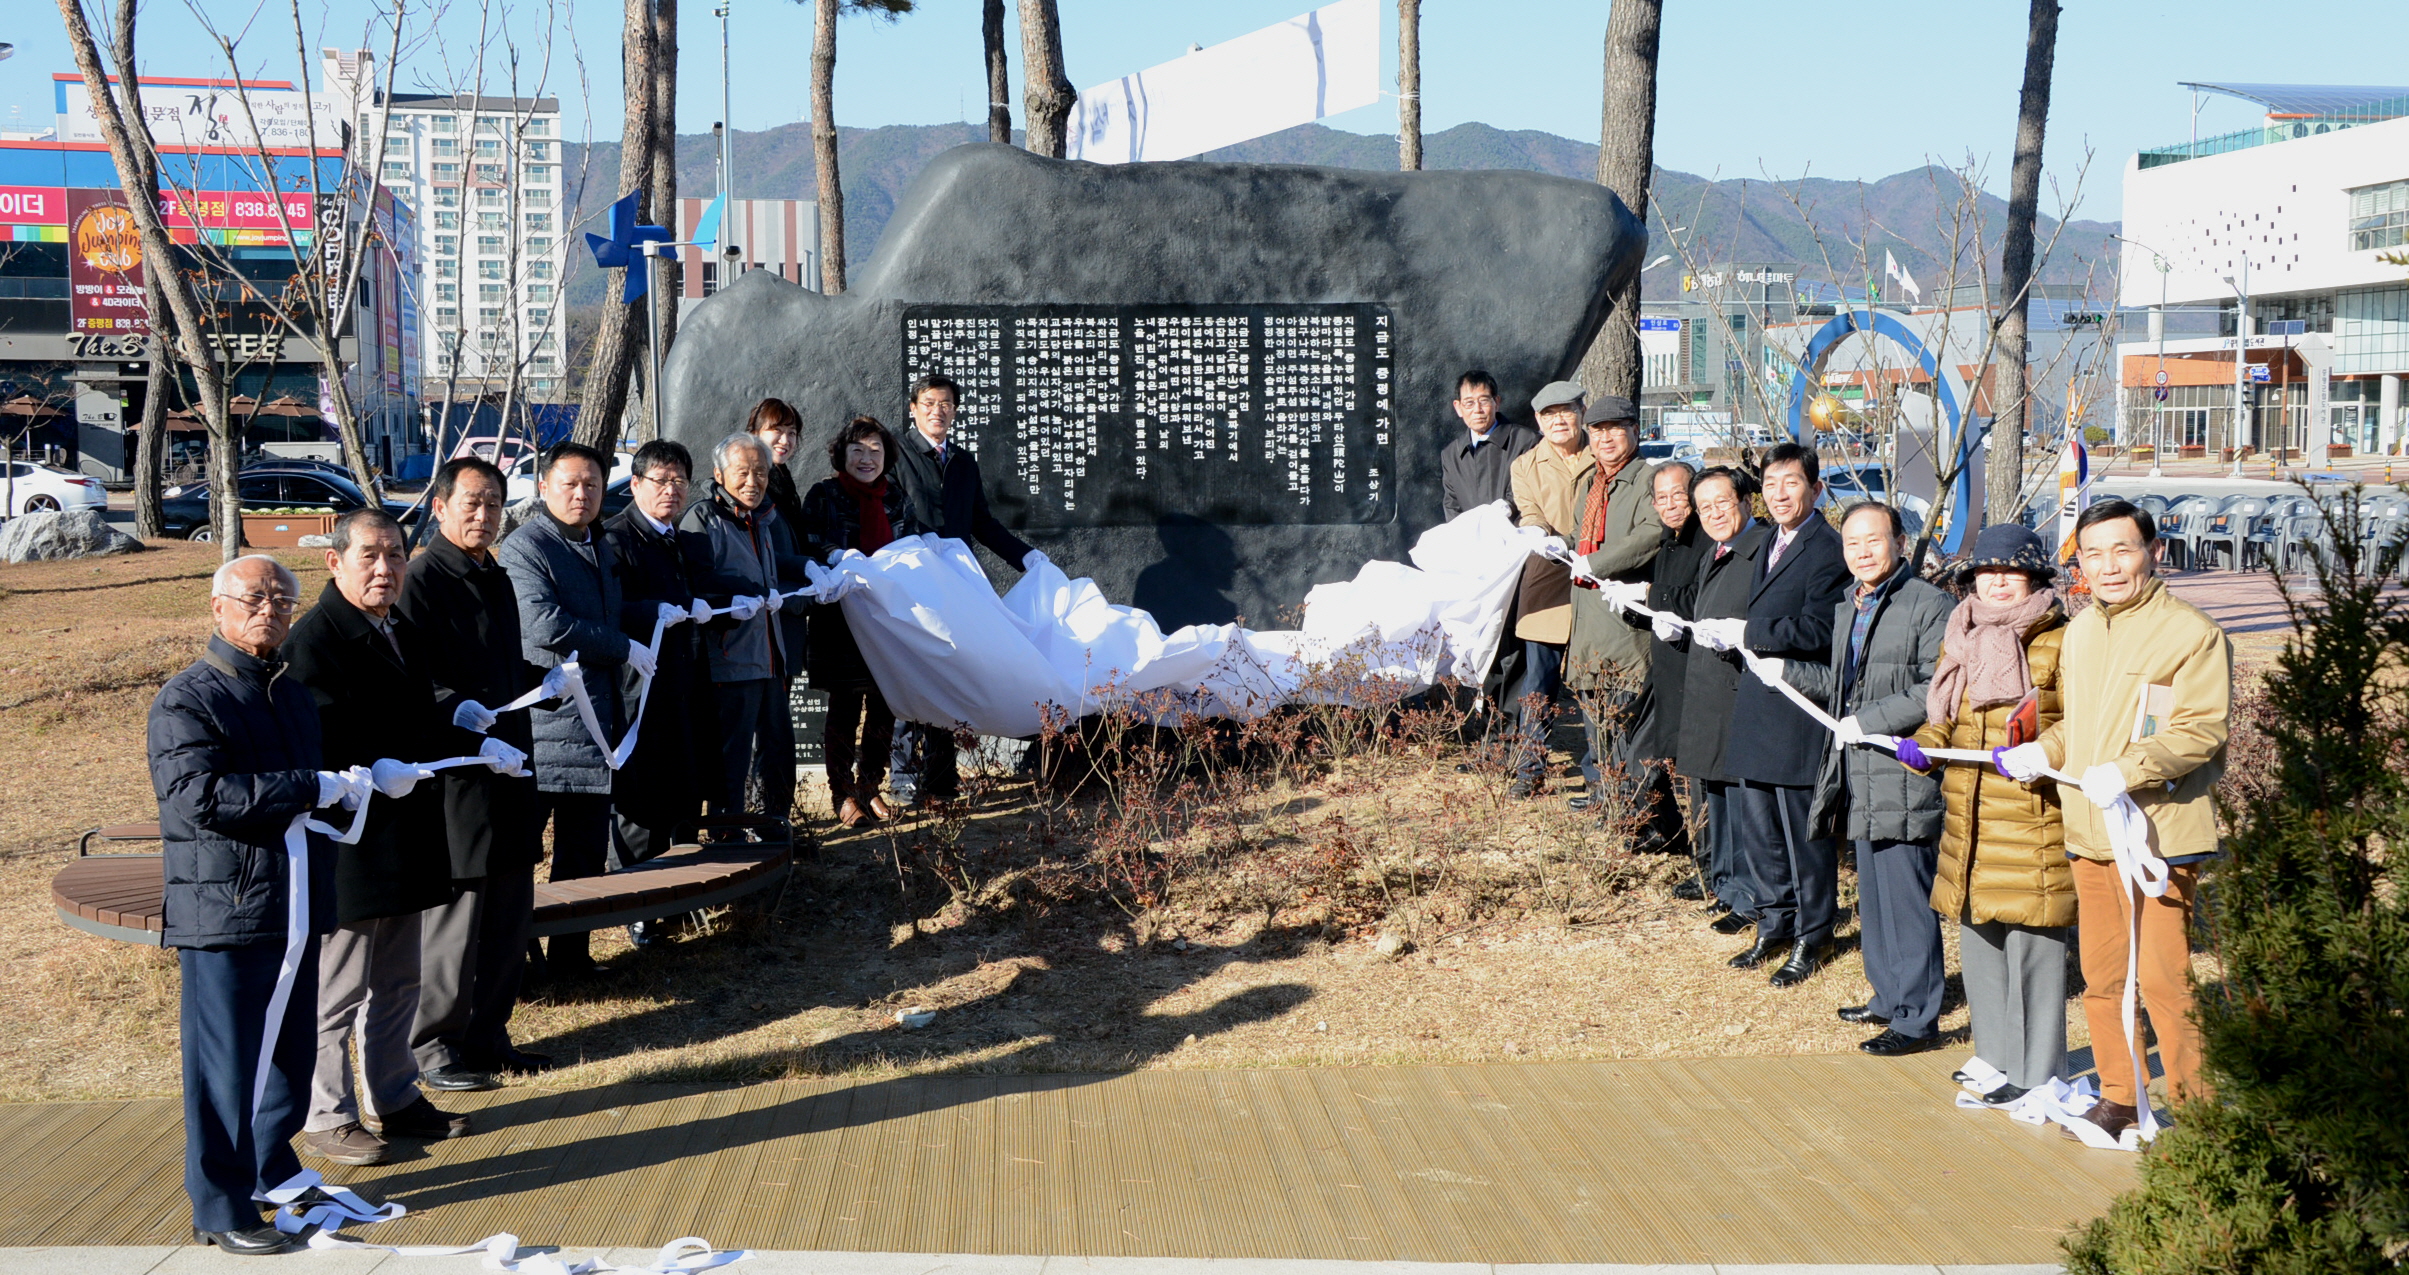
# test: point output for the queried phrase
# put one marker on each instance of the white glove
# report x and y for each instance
(1668, 629)
(504, 759)
(2023, 763)
(1850, 732)
(2103, 784)
(700, 611)
(670, 615)
(470, 715)
(1721, 634)
(395, 779)
(1622, 596)
(640, 658)
(1034, 558)
(744, 608)
(342, 787)
(556, 680)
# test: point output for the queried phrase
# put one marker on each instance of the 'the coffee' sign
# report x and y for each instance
(104, 264)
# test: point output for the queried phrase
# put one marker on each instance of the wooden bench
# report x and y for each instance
(122, 895)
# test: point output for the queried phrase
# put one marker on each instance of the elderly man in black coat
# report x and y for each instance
(1730, 539)
(374, 705)
(1774, 749)
(462, 631)
(660, 789)
(941, 480)
(234, 758)
(568, 589)
(1672, 584)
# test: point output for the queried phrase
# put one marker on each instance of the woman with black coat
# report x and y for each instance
(856, 507)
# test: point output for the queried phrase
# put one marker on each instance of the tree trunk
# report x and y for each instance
(619, 338)
(131, 152)
(1409, 85)
(1050, 95)
(999, 73)
(150, 519)
(2004, 476)
(664, 201)
(823, 150)
(1626, 162)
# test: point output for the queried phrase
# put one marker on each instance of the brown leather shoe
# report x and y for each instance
(425, 1121)
(350, 1144)
(2112, 1118)
(850, 814)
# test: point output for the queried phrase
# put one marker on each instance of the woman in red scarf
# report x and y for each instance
(856, 507)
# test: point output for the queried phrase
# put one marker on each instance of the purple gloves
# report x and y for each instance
(1911, 755)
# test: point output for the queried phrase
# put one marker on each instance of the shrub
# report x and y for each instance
(2300, 1163)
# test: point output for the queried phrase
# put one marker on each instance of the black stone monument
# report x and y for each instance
(1209, 386)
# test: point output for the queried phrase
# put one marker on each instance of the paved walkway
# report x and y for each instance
(1810, 1160)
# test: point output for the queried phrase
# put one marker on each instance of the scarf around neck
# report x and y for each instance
(1983, 660)
(870, 506)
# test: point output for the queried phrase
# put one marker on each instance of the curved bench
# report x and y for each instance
(122, 896)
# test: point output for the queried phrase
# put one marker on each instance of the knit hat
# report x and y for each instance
(1558, 394)
(2011, 546)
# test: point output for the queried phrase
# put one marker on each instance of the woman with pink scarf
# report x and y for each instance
(2003, 872)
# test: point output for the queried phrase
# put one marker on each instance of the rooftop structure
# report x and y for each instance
(2293, 110)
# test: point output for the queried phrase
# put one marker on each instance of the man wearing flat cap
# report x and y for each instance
(1547, 486)
(1606, 658)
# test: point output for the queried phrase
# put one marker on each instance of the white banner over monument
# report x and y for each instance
(1289, 73)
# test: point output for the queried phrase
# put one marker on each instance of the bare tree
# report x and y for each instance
(2006, 470)
(1626, 162)
(1049, 91)
(672, 274)
(622, 330)
(150, 439)
(132, 152)
(999, 73)
(823, 148)
(1409, 85)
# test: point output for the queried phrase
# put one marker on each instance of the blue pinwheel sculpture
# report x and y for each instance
(622, 250)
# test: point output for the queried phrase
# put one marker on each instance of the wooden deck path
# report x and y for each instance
(1825, 1160)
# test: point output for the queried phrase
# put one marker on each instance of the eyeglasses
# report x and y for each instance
(256, 603)
(1717, 506)
(677, 481)
(1477, 400)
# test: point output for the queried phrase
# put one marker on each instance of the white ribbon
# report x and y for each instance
(2128, 841)
(336, 1207)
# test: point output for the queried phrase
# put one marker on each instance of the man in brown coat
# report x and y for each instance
(1547, 494)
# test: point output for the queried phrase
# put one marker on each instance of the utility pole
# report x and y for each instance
(2241, 363)
(727, 113)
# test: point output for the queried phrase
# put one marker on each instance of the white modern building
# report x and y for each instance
(2298, 217)
(485, 174)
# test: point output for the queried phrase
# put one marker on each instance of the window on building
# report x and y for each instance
(491, 221)
(539, 128)
(447, 292)
(444, 123)
(539, 221)
(488, 243)
(539, 269)
(539, 292)
(447, 221)
(535, 175)
(2379, 216)
(489, 148)
(490, 291)
(490, 174)
(489, 314)
(397, 170)
(444, 173)
(446, 315)
(489, 124)
(447, 269)
(539, 150)
(2371, 331)
(447, 196)
(489, 196)
(539, 244)
(447, 245)
(444, 146)
(489, 269)
(538, 317)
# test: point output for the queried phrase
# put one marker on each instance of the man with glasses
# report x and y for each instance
(462, 629)
(563, 572)
(1477, 467)
(660, 788)
(1731, 539)
(234, 756)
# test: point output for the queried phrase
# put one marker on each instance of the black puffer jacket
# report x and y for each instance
(234, 756)
(832, 523)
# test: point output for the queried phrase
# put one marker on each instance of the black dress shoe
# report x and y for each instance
(1764, 949)
(456, 1079)
(1583, 802)
(1862, 1014)
(255, 1241)
(1730, 923)
(1890, 1044)
(1718, 907)
(1805, 959)
(1689, 890)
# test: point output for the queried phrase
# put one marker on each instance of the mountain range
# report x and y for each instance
(1836, 233)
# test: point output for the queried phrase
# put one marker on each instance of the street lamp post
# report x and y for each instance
(2157, 414)
(2241, 361)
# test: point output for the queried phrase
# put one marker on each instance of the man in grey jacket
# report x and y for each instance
(1886, 638)
(732, 542)
(561, 569)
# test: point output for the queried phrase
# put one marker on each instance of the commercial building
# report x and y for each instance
(781, 236)
(492, 233)
(74, 334)
(2297, 217)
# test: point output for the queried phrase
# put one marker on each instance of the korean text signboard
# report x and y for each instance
(104, 265)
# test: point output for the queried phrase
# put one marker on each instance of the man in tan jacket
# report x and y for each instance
(2147, 684)
(1547, 494)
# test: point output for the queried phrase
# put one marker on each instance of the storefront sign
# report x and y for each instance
(189, 114)
(236, 218)
(104, 264)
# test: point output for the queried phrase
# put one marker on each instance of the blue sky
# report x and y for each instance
(1747, 87)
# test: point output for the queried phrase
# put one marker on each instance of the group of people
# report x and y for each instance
(525, 661)
(1681, 576)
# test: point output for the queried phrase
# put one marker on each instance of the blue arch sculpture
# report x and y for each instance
(1809, 377)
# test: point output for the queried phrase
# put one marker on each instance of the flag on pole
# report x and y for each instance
(1898, 274)
(2074, 492)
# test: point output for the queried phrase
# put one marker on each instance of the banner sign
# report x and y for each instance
(104, 265)
(186, 115)
(235, 218)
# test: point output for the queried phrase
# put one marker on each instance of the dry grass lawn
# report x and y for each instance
(1533, 941)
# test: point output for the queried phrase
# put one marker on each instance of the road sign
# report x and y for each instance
(1652, 323)
(2162, 376)
(2260, 373)
(2159, 393)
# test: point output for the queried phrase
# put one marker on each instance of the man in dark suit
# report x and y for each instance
(1474, 468)
(941, 480)
(1731, 539)
(462, 631)
(1774, 749)
(374, 708)
(661, 786)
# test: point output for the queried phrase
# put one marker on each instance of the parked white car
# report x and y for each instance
(34, 488)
